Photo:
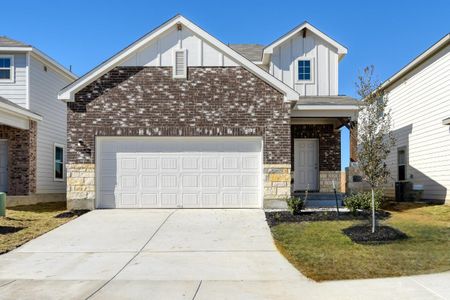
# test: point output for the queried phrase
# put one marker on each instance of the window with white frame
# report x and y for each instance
(180, 63)
(58, 162)
(304, 70)
(402, 161)
(6, 68)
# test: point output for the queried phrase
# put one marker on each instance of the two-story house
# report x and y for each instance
(33, 130)
(419, 102)
(180, 119)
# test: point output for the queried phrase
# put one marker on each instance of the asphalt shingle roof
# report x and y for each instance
(8, 42)
(249, 51)
(328, 100)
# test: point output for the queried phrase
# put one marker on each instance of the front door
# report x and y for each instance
(3, 166)
(306, 164)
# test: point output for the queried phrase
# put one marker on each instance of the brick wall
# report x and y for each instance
(147, 101)
(21, 158)
(329, 144)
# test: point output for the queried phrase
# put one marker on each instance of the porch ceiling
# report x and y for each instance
(16, 116)
(326, 107)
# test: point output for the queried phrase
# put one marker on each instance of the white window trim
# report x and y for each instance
(312, 66)
(54, 161)
(184, 75)
(11, 68)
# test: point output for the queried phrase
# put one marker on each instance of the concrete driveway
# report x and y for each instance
(148, 254)
(179, 254)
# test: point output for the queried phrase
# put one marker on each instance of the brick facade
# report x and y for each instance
(21, 158)
(329, 144)
(147, 101)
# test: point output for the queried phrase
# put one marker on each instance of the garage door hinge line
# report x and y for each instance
(134, 256)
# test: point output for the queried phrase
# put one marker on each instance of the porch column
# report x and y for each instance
(353, 141)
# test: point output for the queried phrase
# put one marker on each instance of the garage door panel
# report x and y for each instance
(150, 200)
(169, 199)
(149, 181)
(210, 181)
(210, 200)
(191, 200)
(190, 181)
(169, 181)
(164, 174)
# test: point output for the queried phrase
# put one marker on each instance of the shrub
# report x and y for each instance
(295, 205)
(363, 200)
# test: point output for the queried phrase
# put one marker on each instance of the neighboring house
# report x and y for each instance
(179, 119)
(33, 130)
(419, 100)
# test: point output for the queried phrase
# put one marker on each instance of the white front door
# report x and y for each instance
(306, 164)
(151, 172)
(3, 166)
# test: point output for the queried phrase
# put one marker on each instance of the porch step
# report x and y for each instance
(315, 200)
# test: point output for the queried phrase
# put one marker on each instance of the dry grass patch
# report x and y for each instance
(24, 223)
(321, 251)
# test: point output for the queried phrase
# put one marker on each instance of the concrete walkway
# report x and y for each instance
(178, 254)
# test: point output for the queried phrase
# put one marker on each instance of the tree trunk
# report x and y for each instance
(373, 211)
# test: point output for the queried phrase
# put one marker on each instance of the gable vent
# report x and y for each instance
(179, 66)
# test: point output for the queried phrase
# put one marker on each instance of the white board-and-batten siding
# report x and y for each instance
(159, 53)
(324, 61)
(16, 90)
(44, 87)
(418, 103)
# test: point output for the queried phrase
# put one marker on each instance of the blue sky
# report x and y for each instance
(387, 34)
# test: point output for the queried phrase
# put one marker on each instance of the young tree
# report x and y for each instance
(374, 136)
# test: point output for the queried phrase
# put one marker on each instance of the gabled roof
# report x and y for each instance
(439, 45)
(8, 44)
(69, 91)
(341, 50)
(251, 52)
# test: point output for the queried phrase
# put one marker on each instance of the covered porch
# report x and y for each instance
(18, 128)
(316, 124)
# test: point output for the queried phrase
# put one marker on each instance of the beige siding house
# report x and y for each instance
(419, 100)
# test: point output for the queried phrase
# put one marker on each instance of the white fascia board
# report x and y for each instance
(417, 61)
(42, 57)
(340, 48)
(47, 59)
(20, 112)
(327, 107)
(68, 92)
(16, 49)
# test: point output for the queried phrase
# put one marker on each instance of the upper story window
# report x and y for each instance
(304, 70)
(6, 68)
(179, 64)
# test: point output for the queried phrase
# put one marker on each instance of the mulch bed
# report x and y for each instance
(72, 213)
(277, 217)
(362, 234)
(9, 229)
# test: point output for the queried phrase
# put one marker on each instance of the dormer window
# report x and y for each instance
(6, 68)
(180, 64)
(304, 70)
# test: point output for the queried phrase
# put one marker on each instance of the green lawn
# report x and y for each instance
(322, 252)
(24, 223)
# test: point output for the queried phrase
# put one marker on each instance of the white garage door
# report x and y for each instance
(207, 172)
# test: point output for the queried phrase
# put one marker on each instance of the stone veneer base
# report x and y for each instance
(80, 186)
(326, 181)
(277, 181)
